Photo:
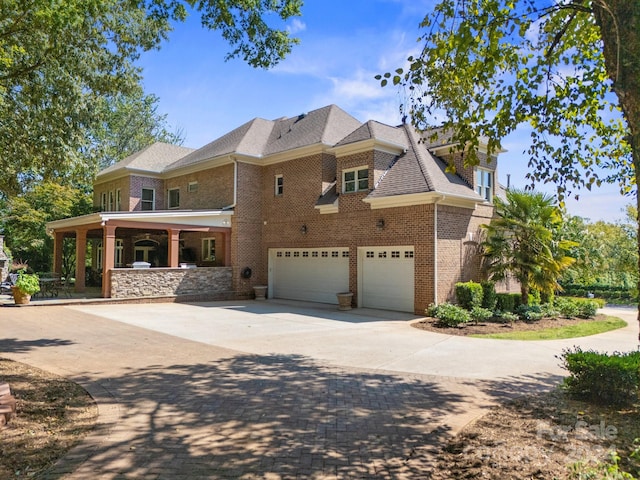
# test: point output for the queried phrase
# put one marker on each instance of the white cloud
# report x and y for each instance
(296, 26)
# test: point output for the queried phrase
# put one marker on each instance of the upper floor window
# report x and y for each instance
(279, 185)
(103, 202)
(112, 201)
(484, 184)
(148, 200)
(193, 187)
(118, 200)
(174, 198)
(355, 180)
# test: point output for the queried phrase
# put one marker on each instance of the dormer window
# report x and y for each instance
(355, 180)
(484, 184)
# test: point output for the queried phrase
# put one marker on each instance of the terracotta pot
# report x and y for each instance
(19, 297)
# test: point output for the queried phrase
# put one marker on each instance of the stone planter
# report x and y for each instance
(260, 291)
(19, 297)
(344, 300)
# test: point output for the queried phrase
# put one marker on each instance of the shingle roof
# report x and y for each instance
(153, 158)
(418, 171)
(248, 139)
(375, 130)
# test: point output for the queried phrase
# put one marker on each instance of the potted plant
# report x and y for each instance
(26, 285)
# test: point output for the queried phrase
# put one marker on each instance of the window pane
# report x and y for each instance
(350, 187)
(363, 184)
(363, 174)
(147, 194)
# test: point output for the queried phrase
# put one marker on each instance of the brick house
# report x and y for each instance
(310, 206)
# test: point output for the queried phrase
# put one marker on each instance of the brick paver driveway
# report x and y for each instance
(180, 409)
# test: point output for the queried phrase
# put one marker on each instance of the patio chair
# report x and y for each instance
(8, 283)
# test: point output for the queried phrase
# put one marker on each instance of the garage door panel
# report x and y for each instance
(387, 278)
(314, 275)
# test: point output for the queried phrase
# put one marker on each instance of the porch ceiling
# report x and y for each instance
(178, 219)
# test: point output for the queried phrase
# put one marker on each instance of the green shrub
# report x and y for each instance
(507, 317)
(549, 310)
(602, 378)
(529, 313)
(449, 315)
(507, 302)
(567, 307)
(489, 296)
(469, 294)
(479, 314)
(587, 308)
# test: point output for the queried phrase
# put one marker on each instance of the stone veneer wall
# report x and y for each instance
(162, 282)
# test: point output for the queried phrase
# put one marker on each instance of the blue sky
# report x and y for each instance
(344, 44)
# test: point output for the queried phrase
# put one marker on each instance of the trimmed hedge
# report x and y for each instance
(602, 378)
(489, 295)
(507, 302)
(469, 295)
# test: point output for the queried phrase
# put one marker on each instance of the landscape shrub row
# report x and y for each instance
(480, 303)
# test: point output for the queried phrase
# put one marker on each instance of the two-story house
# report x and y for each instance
(310, 205)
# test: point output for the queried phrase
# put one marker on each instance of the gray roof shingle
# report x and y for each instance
(153, 158)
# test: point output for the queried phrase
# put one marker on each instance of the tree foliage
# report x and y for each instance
(522, 241)
(59, 60)
(489, 66)
(606, 252)
(24, 218)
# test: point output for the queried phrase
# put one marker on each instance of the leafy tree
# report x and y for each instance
(605, 252)
(58, 60)
(490, 66)
(24, 218)
(521, 242)
(129, 124)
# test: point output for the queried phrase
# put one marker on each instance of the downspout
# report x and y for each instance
(235, 185)
(435, 248)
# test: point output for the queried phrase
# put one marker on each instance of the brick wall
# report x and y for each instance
(214, 188)
(159, 282)
(122, 184)
(135, 192)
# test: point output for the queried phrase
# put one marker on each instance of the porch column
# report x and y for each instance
(58, 239)
(227, 248)
(108, 258)
(174, 247)
(81, 256)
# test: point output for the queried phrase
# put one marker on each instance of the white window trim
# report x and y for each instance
(278, 188)
(207, 241)
(486, 192)
(152, 201)
(169, 191)
(355, 180)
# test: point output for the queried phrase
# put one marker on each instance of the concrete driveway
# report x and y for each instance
(360, 338)
(272, 390)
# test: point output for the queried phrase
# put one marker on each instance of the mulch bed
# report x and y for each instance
(431, 324)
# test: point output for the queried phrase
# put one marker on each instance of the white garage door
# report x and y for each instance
(386, 277)
(311, 274)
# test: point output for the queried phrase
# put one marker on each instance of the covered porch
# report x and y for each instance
(120, 240)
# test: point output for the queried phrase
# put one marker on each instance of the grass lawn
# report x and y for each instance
(582, 329)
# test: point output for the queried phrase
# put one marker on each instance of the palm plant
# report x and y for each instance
(521, 241)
